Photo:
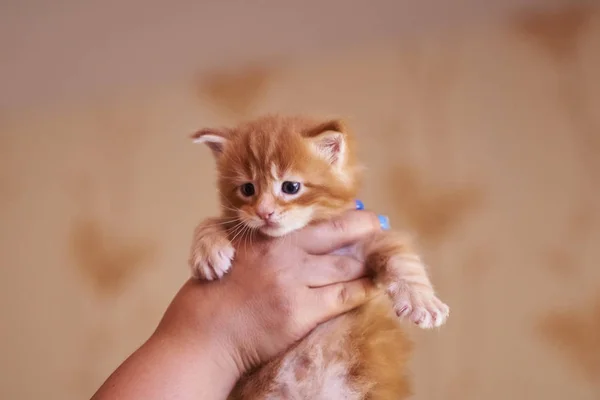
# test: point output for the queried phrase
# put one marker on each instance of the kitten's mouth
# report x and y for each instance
(272, 229)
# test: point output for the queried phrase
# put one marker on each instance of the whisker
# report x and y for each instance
(222, 223)
(236, 227)
(225, 198)
(246, 240)
(233, 231)
(239, 230)
(226, 221)
(251, 235)
(245, 237)
(230, 208)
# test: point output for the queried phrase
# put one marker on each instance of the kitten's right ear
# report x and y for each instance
(215, 139)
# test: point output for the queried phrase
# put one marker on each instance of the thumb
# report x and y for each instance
(339, 298)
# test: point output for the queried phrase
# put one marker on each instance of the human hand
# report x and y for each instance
(277, 292)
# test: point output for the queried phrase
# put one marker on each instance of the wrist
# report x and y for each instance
(209, 359)
(206, 319)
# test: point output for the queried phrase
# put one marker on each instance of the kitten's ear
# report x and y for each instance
(215, 139)
(329, 141)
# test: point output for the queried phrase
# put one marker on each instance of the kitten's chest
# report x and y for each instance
(319, 368)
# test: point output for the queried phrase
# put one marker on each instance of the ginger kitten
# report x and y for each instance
(278, 174)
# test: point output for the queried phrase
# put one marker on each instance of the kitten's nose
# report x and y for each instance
(266, 215)
(265, 208)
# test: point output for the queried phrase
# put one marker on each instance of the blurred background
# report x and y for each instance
(479, 122)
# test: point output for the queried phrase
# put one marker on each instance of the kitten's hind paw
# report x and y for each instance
(423, 309)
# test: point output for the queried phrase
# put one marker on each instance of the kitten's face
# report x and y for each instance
(277, 175)
(271, 202)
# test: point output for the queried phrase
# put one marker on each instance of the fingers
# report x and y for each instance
(329, 236)
(328, 269)
(334, 300)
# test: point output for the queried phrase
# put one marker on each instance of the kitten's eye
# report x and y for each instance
(247, 189)
(290, 187)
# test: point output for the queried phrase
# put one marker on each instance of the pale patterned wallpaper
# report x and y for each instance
(484, 140)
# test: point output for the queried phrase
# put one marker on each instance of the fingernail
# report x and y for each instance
(360, 205)
(384, 222)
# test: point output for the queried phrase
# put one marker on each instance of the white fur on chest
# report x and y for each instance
(323, 381)
(315, 370)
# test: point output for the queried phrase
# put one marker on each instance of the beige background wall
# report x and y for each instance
(484, 138)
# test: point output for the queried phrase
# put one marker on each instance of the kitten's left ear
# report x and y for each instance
(215, 139)
(329, 140)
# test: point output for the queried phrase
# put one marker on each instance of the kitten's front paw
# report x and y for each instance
(212, 259)
(421, 307)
